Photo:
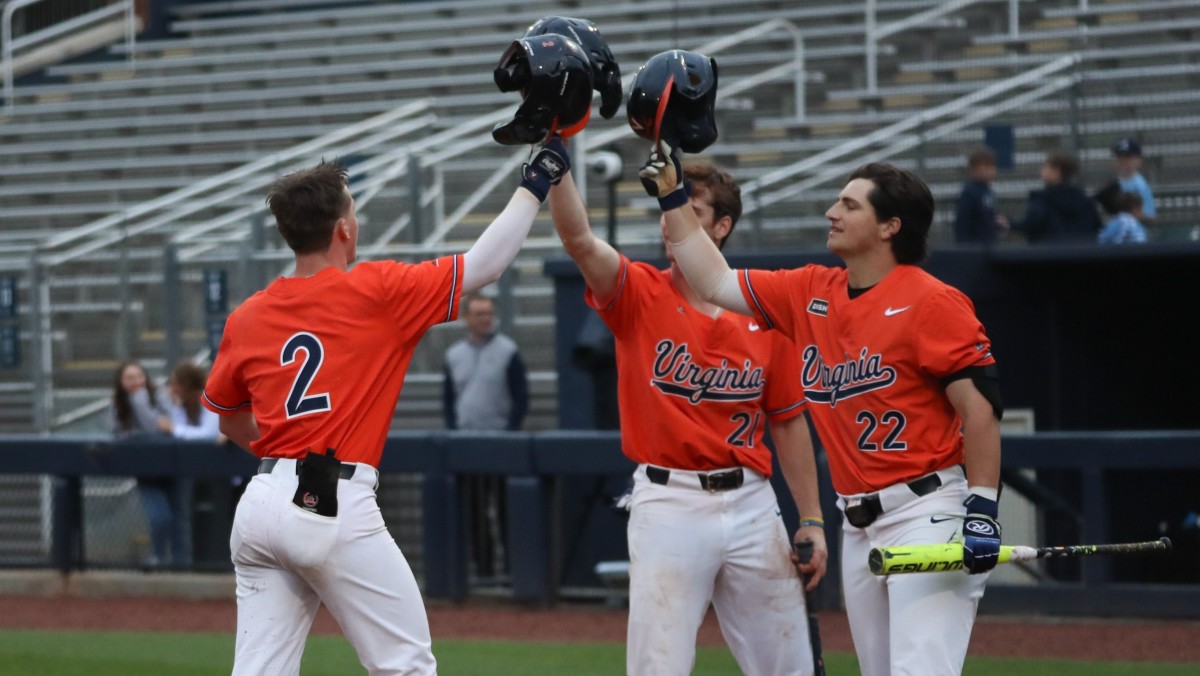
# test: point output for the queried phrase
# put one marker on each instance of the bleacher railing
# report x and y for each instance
(54, 32)
(959, 113)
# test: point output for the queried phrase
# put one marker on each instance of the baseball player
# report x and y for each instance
(902, 389)
(306, 378)
(696, 389)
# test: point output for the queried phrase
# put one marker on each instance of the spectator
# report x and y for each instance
(1127, 154)
(190, 420)
(975, 217)
(485, 388)
(138, 412)
(1060, 211)
(1126, 227)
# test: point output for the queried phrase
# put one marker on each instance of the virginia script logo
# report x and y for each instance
(825, 384)
(677, 374)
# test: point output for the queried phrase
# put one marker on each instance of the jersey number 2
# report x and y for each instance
(299, 401)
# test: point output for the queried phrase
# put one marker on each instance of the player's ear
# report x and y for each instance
(722, 228)
(889, 228)
(342, 229)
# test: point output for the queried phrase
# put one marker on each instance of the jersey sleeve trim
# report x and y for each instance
(616, 294)
(788, 411)
(450, 305)
(755, 301)
(219, 408)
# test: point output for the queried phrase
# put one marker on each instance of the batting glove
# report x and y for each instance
(549, 164)
(662, 177)
(981, 535)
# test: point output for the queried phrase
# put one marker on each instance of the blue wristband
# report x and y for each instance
(676, 198)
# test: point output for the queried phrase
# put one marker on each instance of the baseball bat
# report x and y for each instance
(938, 558)
(804, 550)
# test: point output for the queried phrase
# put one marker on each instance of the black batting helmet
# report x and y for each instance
(554, 77)
(606, 74)
(672, 98)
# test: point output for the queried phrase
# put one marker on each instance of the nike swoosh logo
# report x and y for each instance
(889, 312)
(934, 519)
(752, 326)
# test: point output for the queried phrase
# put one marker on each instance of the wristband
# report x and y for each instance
(676, 198)
(812, 521)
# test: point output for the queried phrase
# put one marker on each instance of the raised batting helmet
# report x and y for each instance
(672, 98)
(554, 77)
(606, 74)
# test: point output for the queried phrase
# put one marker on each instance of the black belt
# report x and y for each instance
(709, 481)
(268, 464)
(864, 513)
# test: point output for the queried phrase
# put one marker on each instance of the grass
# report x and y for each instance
(45, 653)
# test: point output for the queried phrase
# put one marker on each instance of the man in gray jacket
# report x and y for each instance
(485, 388)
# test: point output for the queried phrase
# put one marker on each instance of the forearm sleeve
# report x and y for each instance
(708, 272)
(498, 245)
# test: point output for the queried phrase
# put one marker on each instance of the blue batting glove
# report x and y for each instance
(549, 164)
(981, 535)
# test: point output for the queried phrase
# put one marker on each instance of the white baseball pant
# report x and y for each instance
(689, 547)
(288, 562)
(918, 624)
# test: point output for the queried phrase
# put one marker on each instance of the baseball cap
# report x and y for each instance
(1127, 146)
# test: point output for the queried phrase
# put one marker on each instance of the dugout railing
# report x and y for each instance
(540, 468)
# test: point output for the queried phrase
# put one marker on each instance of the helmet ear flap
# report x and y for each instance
(512, 73)
(610, 93)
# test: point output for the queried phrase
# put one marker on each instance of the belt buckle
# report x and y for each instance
(715, 482)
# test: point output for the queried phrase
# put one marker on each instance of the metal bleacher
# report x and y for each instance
(101, 155)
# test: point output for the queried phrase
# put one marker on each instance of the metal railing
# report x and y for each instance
(961, 112)
(875, 33)
(59, 30)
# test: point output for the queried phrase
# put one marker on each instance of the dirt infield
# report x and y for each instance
(1160, 641)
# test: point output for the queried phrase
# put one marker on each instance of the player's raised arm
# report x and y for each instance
(699, 258)
(498, 245)
(597, 260)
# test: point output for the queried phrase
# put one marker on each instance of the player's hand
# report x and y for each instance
(981, 535)
(547, 166)
(662, 173)
(814, 569)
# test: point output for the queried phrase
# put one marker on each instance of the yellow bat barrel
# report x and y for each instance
(923, 558)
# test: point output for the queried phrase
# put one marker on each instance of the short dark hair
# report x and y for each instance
(981, 156)
(1127, 201)
(307, 203)
(474, 296)
(722, 191)
(899, 193)
(1065, 163)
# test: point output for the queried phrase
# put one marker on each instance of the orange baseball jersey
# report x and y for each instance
(872, 366)
(694, 391)
(321, 360)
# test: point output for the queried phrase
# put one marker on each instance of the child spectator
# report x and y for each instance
(975, 218)
(1126, 227)
(1127, 153)
(1060, 211)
